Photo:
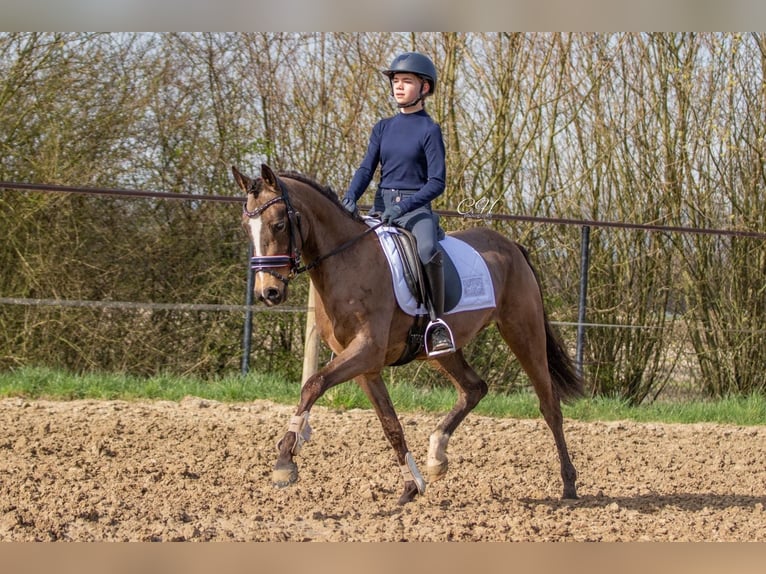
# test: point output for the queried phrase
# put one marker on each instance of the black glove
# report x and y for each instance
(391, 213)
(349, 204)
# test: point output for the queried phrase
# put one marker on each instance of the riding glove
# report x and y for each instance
(391, 213)
(349, 204)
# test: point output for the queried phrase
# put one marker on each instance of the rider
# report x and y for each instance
(410, 151)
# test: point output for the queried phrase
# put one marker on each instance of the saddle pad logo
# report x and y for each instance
(474, 286)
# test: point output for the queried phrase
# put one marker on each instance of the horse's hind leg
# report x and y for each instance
(471, 389)
(550, 406)
(376, 391)
(526, 338)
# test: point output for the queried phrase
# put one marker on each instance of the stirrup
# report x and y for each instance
(430, 327)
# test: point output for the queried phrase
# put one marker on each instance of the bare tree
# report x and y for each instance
(643, 128)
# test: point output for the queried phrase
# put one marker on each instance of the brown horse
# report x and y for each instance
(289, 217)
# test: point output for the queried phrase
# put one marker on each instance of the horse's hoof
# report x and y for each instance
(409, 494)
(570, 494)
(285, 476)
(436, 471)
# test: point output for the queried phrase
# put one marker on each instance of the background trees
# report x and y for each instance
(663, 129)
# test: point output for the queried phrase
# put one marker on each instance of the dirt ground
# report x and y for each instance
(201, 471)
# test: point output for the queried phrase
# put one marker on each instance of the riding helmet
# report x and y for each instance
(414, 63)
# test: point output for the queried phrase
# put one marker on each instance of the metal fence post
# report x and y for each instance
(584, 264)
(247, 332)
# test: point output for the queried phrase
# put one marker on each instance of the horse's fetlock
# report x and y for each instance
(437, 448)
(299, 425)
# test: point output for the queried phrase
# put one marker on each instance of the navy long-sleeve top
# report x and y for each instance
(410, 151)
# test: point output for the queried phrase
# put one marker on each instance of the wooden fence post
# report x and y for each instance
(311, 342)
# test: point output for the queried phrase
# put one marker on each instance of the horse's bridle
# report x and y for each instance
(268, 263)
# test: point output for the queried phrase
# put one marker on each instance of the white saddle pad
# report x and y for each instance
(477, 289)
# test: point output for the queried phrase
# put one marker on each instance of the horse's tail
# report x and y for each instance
(566, 380)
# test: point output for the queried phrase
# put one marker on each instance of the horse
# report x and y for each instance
(289, 216)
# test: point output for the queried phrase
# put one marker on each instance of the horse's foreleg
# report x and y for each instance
(471, 389)
(298, 429)
(376, 391)
(298, 432)
(342, 368)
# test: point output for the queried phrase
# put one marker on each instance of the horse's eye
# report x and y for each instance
(279, 226)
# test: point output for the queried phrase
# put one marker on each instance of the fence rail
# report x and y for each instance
(147, 306)
(138, 194)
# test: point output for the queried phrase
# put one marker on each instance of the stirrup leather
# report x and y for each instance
(430, 327)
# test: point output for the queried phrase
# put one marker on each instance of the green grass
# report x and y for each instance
(43, 383)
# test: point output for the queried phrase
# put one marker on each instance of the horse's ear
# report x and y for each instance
(269, 177)
(242, 180)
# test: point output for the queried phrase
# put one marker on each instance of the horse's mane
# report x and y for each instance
(325, 190)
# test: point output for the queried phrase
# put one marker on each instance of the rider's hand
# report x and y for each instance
(349, 204)
(391, 213)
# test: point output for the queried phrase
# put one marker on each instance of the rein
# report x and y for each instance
(268, 263)
(337, 250)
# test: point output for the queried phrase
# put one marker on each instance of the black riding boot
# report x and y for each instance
(438, 335)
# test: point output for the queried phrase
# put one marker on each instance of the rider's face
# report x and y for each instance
(407, 86)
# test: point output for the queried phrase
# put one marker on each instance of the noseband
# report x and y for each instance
(268, 263)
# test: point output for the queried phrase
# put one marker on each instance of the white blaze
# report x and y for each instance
(255, 233)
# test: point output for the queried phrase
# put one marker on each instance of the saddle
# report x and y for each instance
(412, 268)
(467, 282)
(406, 246)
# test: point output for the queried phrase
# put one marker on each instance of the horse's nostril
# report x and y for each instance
(272, 295)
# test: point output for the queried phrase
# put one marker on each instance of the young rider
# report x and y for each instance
(409, 149)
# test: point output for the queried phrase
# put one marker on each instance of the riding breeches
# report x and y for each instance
(422, 222)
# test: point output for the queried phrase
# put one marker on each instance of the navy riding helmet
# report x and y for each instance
(413, 63)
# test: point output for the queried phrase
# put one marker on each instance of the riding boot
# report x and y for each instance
(438, 335)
